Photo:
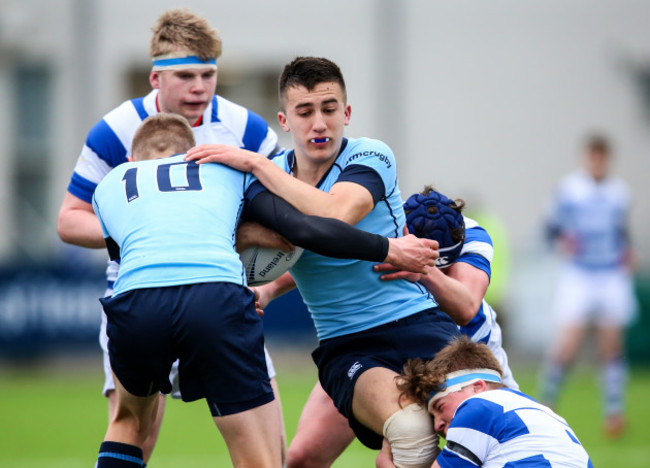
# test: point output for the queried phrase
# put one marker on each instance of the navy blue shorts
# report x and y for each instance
(341, 360)
(212, 328)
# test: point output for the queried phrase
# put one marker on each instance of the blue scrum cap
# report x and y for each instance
(432, 216)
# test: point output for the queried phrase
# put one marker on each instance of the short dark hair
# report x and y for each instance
(309, 72)
(598, 143)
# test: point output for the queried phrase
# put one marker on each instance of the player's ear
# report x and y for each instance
(154, 79)
(479, 386)
(348, 114)
(282, 119)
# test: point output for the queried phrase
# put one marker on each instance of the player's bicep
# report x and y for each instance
(77, 223)
(71, 203)
(474, 279)
(351, 202)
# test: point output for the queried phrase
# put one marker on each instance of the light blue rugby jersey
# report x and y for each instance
(173, 220)
(346, 296)
(595, 213)
(109, 141)
(506, 428)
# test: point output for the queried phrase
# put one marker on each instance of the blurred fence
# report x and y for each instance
(46, 308)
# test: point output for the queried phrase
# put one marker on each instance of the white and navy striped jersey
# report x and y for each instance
(506, 428)
(478, 252)
(109, 142)
(594, 215)
(483, 328)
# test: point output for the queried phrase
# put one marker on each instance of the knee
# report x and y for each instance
(384, 457)
(413, 442)
(300, 456)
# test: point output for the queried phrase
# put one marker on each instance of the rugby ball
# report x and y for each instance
(263, 264)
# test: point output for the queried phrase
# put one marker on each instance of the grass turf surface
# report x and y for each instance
(54, 417)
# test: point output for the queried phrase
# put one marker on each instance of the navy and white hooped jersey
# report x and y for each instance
(109, 142)
(346, 296)
(478, 251)
(484, 328)
(506, 428)
(143, 207)
(594, 215)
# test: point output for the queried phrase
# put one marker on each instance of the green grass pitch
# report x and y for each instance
(56, 418)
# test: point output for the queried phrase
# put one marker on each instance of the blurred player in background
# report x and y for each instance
(367, 328)
(184, 49)
(181, 290)
(484, 422)
(588, 221)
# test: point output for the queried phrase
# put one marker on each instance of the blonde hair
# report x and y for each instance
(162, 135)
(180, 29)
(419, 378)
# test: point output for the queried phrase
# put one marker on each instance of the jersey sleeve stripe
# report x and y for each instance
(367, 177)
(138, 105)
(81, 188)
(478, 329)
(214, 115)
(103, 141)
(478, 247)
(477, 261)
(478, 234)
(256, 130)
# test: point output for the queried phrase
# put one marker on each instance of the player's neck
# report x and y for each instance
(312, 171)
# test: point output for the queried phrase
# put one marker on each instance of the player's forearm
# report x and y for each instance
(452, 296)
(250, 233)
(325, 236)
(80, 228)
(277, 288)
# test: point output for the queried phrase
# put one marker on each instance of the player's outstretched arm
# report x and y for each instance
(78, 225)
(251, 233)
(266, 293)
(334, 238)
(346, 201)
(459, 289)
